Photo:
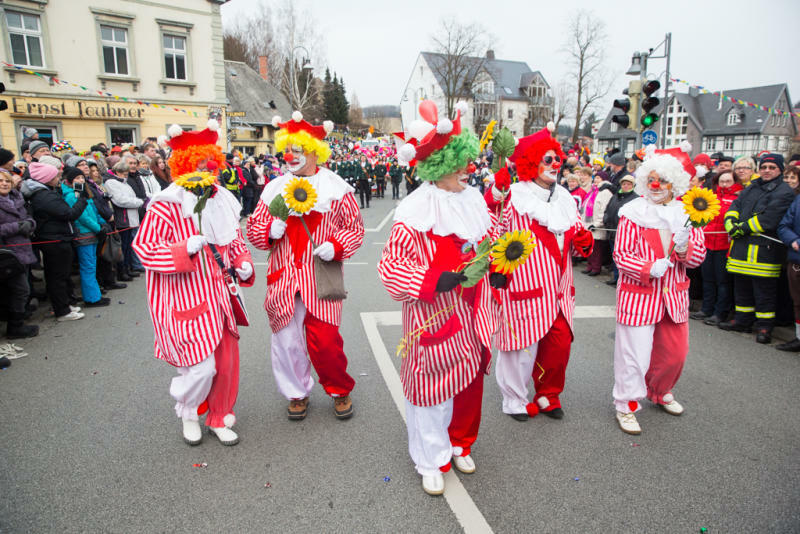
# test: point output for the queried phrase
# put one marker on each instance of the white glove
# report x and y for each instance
(325, 251)
(195, 243)
(659, 267)
(245, 271)
(277, 229)
(498, 195)
(681, 239)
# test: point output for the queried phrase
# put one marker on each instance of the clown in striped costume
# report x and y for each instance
(653, 249)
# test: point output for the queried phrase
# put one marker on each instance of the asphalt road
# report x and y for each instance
(89, 441)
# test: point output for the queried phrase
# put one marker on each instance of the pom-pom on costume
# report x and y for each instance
(305, 327)
(189, 301)
(653, 249)
(536, 330)
(446, 327)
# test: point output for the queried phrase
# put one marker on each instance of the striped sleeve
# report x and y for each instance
(399, 268)
(350, 235)
(625, 252)
(155, 243)
(258, 226)
(696, 252)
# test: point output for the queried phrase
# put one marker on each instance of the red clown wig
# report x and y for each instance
(190, 148)
(530, 151)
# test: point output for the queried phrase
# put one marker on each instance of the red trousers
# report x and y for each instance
(225, 386)
(550, 370)
(326, 352)
(466, 421)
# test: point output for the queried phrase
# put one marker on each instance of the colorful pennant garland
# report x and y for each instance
(101, 93)
(771, 111)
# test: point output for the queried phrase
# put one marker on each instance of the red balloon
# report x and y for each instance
(428, 111)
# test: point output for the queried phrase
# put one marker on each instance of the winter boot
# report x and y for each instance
(17, 329)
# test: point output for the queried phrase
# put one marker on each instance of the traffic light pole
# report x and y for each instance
(667, 81)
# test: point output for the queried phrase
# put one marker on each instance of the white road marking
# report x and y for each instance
(594, 312)
(379, 242)
(383, 222)
(467, 513)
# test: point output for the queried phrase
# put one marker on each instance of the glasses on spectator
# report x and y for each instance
(743, 168)
(768, 167)
(549, 159)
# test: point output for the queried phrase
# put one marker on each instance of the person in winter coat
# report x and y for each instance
(88, 225)
(396, 175)
(789, 233)
(160, 170)
(574, 188)
(249, 187)
(16, 227)
(593, 209)
(151, 184)
(717, 286)
(756, 261)
(54, 222)
(126, 215)
(102, 203)
(624, 194)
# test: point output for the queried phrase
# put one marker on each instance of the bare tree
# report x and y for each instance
(585, 49)
(248, 38)
(460, 57)
(564, 102)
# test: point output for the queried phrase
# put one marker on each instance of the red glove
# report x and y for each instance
(502, 180)
(583, 239)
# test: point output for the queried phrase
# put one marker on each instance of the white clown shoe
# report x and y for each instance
(465, 464)
(628, 423)
(226, 436)
(433, 484)
(671, 406)
(191, 432)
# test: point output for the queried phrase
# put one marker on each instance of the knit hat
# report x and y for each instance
(90, 162)
(70, 173)
(777, 159)
(5, 156)
(52, 161)
(531, 149)
(42, 173)
(36, 145)
(73, 161)
(628, 178)
(702, 159)
(617, 159)
(302, 133)
(29, 132)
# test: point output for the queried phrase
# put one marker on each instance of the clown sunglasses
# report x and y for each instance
(547, 160)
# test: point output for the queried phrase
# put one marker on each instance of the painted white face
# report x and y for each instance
(659, 190)
(298, 159)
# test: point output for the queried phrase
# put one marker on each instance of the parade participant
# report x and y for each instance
(412, 182)
(304, 326)
(361, 170)
(188, 296)
(538, 301)
(653, 248)
(446, 327)
(379, 170)
(396, 175)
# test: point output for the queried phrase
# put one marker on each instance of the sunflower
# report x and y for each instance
(194, 180)
(512, 250)
(300, 195)
(702, 205)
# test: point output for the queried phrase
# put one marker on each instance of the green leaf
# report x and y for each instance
(278, 208)
(475, 271)
(503, 143)
(483, 247)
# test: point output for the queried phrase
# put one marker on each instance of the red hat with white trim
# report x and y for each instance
(429, 134)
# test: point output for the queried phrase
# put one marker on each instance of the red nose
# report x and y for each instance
(556, 165)
(288, 157)
(655, 185)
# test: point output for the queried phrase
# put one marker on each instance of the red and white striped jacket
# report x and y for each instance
(541, 286)
(642, 300)
(444, 333)
(189, 309)
(291, 262)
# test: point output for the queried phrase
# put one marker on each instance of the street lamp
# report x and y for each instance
(636, 64)
(306, 68)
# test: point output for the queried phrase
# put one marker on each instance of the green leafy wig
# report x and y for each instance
(455, 155)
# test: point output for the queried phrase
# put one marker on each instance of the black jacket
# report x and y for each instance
(135, 181)
(52, 214)
(616, 177)
(611, 216)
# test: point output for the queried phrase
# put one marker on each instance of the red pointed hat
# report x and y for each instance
(298, 124)
(180, 140)
(681, 153)
(430, 134)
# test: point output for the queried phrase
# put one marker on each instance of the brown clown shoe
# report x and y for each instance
(298, 408)
(343, 407)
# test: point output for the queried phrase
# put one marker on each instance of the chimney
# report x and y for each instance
(262, 67)
(490, 54)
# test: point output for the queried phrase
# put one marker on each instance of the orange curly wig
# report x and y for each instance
(528, 163)
(185, 160)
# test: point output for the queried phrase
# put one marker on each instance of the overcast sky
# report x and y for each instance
(718, 44)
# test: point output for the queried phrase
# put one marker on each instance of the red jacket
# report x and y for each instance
(721, 241)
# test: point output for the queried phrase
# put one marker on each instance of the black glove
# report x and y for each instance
(25, 227)
(105, 229)
(448, 280)
(498, 280)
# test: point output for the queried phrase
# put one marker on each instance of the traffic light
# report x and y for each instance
(629, 106)
(649, 102)
(625, 105)
(3, 103)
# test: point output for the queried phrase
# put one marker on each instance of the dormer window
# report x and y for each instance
(733, 118)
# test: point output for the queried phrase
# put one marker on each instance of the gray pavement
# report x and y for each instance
(89, 441)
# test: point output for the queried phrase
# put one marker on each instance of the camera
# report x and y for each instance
(78, 186)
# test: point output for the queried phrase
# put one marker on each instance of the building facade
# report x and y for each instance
(507, 91)
(161, 62)
(712, 124)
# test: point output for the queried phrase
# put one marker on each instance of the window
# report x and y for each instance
(510, 113)
(122, 136)
(25, 34)
(175, 57)
(728, 142)
(612, 127)
(733, 118)
(115, 50)
(711, 143)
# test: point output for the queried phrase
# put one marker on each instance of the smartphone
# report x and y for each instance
(78, 186)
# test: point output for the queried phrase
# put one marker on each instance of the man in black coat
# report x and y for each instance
(624, 194)
(616, 164)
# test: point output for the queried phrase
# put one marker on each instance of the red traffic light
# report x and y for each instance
(624, 104)
(651, 87)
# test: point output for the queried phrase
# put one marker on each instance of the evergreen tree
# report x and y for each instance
(328, 95)
(342, 108)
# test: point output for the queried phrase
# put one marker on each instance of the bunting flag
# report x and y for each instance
(771, 111)
(59, 81)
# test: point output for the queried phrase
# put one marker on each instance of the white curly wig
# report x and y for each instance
(668, 167)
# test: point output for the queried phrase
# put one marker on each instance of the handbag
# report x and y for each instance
(329, 278)
(112, 248)
(237, 302)
(10, 265)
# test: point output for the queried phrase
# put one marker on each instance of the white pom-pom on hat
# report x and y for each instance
(445, 126)
(406, 153)
(419, 128)
(461, 107)
(551, 126)
(328, 125)
(686, 146)
(297, 116)
(276, 121)
(212, 125)
(174, 130)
